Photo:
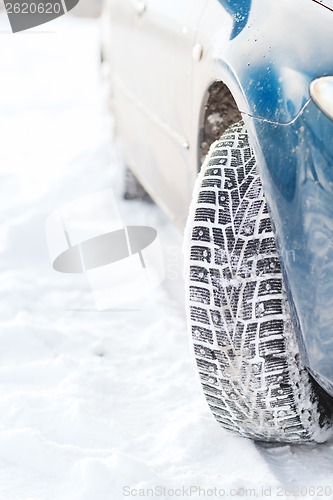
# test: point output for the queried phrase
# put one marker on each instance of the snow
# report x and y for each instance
(97, 405)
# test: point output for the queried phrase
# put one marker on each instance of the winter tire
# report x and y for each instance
(238, 315)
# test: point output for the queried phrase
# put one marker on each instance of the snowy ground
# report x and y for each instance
(95, 404)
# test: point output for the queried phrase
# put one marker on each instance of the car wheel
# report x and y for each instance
(238, 314)
(133, 189)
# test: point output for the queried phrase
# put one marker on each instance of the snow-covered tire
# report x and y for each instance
(238, 314)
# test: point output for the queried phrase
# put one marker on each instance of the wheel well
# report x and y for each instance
(219, 112)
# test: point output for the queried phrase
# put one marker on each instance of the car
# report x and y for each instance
(225, 109)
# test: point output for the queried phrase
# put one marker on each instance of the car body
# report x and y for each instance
(180, 69)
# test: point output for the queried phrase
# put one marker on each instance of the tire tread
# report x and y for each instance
(241, 325)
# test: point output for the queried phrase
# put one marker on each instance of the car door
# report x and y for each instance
(151, 63)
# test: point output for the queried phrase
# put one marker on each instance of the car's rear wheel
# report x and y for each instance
(238, 314)
(133, 189)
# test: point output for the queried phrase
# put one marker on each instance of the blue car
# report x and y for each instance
(226, 108)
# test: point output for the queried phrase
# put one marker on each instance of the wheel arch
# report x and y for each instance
(219, 109)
